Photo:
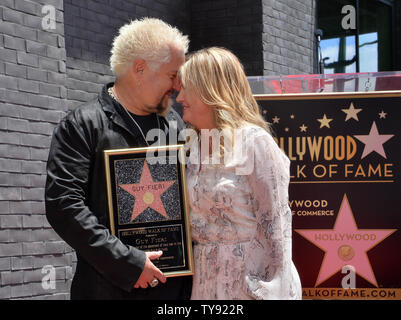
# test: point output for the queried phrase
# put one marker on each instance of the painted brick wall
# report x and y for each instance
(90, 27)
(271, 37)
(32, 100)
(288, 36)
(234, 24)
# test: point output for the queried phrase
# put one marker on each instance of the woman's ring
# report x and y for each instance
(154, 283)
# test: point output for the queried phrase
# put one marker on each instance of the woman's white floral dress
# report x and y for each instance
(241, 224)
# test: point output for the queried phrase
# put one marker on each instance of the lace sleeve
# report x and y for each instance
(270, 269)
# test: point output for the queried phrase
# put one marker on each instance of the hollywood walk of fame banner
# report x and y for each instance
(345, 190)
(148, 204)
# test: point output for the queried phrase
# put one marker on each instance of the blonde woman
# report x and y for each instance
(240, 218)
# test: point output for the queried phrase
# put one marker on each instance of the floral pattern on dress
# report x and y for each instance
(241, 225)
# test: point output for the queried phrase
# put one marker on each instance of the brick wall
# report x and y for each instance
(288, 36)
(271, 37)
(90, 27)
(234, 24)
(32, 101)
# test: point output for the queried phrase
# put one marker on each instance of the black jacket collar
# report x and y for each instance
(114, 111)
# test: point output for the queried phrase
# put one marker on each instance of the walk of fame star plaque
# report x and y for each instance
(147, 201)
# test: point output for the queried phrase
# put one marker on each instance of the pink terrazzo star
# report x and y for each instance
(345, 245)
(147, 193)
(374, 141)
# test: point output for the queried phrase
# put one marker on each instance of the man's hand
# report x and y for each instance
(150, 271)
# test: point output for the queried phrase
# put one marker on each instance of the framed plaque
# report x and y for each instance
(148, 207)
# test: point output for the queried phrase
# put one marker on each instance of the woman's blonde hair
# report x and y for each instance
(218, 78)
(149, 39)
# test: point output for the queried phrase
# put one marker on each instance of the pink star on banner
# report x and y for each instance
(147, 193)
(345, 244)
(382, 115)
(374, 141)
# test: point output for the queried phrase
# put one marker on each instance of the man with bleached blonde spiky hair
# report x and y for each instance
(145, 58)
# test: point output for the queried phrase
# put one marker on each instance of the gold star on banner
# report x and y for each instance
(324, 122)
(303, 128)
(351, 112)
(382, 115)
(276, 119)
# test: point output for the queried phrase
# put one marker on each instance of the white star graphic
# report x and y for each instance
(382, 115)
(276, 119)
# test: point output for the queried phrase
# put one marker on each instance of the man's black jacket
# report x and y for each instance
(76, 204)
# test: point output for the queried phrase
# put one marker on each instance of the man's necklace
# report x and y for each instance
(113, 94)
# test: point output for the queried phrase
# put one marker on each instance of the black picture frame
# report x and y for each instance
(148, 207)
